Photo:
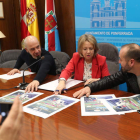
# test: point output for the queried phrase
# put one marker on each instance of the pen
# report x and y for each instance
(62, 90)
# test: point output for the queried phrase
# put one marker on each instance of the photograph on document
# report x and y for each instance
(93, 105)
(124, 104)
(136, 98)
(24, 97)
(49, 105)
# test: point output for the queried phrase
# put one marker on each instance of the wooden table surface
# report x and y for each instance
(68, 124)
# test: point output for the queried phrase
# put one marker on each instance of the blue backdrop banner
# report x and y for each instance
(112, 21)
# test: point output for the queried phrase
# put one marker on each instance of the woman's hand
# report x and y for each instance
(91, 80)
(61, 86)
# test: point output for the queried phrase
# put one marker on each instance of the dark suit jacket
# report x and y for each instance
(115, 80)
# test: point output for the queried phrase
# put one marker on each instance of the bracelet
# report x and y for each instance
(62, 79)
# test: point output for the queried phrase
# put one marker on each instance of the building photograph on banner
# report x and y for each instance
(112, 21)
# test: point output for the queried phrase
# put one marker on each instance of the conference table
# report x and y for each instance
(68, 124)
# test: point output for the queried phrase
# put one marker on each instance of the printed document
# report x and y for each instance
(24, 97)
(125, 104)
(49, 105)
(93, 105)
(53, 84)
(16, 75)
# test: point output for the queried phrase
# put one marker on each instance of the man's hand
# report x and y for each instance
(91, 80)
(12, 72)
(11, 127)
(33, 86)
(60, 87)
(85, 91)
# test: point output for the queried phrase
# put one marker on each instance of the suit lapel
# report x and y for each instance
(81, 69)
(94, 67)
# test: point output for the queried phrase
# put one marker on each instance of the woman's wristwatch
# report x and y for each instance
(62, 79)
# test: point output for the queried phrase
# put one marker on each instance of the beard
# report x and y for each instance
(126, 68)
(36, 56)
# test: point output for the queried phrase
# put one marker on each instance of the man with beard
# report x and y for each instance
(129, 73)
(31, 54)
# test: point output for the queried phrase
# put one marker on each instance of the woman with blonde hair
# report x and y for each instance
(86, 64)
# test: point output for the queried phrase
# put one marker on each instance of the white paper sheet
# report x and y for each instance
(16, 75)
(125, 104)
(53, 84)
(49, 106)
(24, 97)
(93, 105)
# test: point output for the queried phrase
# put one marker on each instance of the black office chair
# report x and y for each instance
(61, 60)
(112, 57)
(8, 58)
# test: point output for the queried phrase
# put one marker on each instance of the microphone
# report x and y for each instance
(23, 85)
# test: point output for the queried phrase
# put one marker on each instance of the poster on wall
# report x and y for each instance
(112, 21)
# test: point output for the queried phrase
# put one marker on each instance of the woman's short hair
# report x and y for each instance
(91, 39)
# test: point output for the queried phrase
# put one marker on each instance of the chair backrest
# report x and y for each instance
(8, 58)
(61, 60)
(112, 56)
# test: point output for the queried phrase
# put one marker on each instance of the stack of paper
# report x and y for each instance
(53, 84)
(16, 75)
